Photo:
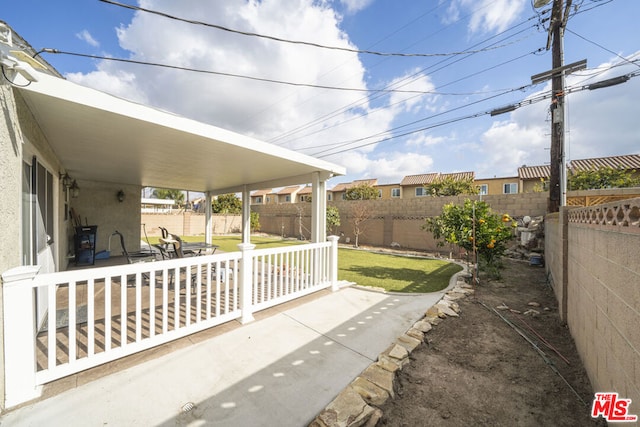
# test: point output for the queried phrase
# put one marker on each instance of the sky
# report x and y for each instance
(424, 108)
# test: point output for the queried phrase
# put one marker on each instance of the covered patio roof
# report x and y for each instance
(104, 138)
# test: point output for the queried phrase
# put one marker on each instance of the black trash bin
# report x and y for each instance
(85, 244)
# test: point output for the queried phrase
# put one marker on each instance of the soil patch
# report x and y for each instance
(478, 370)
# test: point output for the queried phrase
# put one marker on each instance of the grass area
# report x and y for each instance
(393, 273)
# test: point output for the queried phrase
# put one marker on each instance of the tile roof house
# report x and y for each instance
(339, 191)
(288, 194)
(532, 176)
(262, 197)
(414, 185)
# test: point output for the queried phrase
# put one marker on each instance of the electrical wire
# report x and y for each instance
(298, 42)
(602, 47)
(515, 106)
(4, 74)
(240, 76)
(401, 83)
(405, 100)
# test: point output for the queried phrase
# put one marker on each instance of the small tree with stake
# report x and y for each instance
(474, 227)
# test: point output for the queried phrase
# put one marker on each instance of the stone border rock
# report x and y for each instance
(358, 404)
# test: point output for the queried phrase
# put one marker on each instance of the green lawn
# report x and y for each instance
(392, 272)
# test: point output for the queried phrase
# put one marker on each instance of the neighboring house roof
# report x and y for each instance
(426, 178)
(259, 193)
(630, 161)
(289, 190)
(306, 190)
(430, 178)
(104, 138)
(458, 176)
(534, 172)
(347, 185)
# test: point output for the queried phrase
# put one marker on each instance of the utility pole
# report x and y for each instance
(558, 169)
(556, 179)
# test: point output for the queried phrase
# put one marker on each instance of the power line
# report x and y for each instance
(403, 82)
(526, 102)
(504, 91)
(602, 47)
(298, 42)
(240, 76)
(346, 143)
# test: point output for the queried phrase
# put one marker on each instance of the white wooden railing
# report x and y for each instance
(103, 314)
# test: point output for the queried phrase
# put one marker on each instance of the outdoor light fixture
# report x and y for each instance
(66, 181)
(75, 190)
(120, 196)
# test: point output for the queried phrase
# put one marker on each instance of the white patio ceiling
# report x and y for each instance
(101, 137)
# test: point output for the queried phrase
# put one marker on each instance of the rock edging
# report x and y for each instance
(358, 404)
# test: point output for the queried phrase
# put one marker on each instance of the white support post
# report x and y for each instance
(19, 335)
(208, 220)
(318, 208)
(333, 262)
(246, 215)
(245, 283)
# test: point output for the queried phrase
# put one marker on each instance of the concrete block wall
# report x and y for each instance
(602, 291)
(604, 306)
(393, 220)
(189, 223)
(554, 256)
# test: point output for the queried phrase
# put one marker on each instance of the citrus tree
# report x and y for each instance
(456, 225)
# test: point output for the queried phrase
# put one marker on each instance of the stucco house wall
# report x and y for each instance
(495, 186)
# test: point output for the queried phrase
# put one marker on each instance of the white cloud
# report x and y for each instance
(412, 102)
(86, 36)
(263, 110)
(353, 6)
(116, 82)
(424, 140)
(387, 168)
(598, 123)
(486, 15)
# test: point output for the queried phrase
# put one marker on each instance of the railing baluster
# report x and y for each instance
(72, 321)
(52, 327)
(187, 291)
(91, 327)
(123, 311)
(217, 288)
(176, 299)
(138, 307)
(152, 303)
(208, 297)
(108, 321)
(165, 300)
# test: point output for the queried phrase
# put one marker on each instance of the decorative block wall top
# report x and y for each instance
(624, 213)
